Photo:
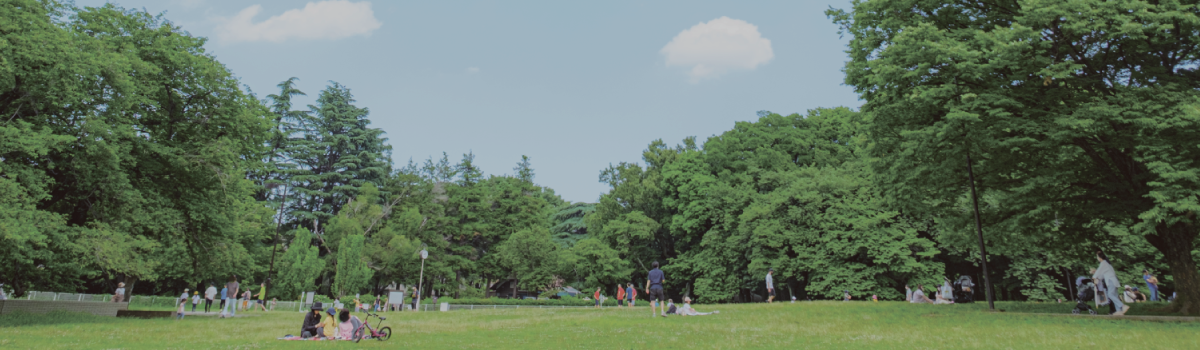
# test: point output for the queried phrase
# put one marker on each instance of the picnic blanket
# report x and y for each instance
(299, 338)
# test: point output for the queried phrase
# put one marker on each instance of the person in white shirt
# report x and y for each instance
(119, 294)
(770, 285)
(209, 295)
(1106, 273)
(687, 310)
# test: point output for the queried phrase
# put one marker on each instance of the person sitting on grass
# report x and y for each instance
(311, 320)
(919, 297)
(346, 325)
(328, 328)
(687, 310)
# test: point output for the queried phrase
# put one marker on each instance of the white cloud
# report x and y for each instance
(714, 48)
(317, 20)
(473, 70)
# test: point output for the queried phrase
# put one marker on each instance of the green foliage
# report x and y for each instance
(530, 256)
(566, 223)
(793, 193)
(1074, 119)
(298, 267)
(595, 264)
(352, 270)
(131, 141)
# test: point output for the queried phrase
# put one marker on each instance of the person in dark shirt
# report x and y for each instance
(654, 289)
(310, 321)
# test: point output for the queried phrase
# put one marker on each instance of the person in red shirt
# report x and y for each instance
(597, 297)
(620, 296)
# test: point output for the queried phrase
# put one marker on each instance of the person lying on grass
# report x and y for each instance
(687, 310)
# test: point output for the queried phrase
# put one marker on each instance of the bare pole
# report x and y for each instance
(987, 281)
(275, 241)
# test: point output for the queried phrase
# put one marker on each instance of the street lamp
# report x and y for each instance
(421, 280)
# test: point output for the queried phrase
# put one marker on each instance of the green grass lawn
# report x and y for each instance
(781, 325)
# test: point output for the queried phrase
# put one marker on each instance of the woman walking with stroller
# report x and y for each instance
(1106, 273)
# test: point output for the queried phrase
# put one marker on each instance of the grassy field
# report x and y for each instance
(800, 325)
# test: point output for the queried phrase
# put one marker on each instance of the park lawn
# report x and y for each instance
(782, 325)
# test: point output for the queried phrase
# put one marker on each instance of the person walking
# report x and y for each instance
(209, 294)
(231, 289)
(224, 298)
(770, 285)
(185, 297)
(195, 300)
(181, 305)
(119, 294)
(620, 296)
(262, 296)
(1151, 284)
(1106, 273)
(246, 299)
(908, 293)
(596, 297)
(654, 289)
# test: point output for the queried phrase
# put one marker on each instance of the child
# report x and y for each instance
(195, 300)
(273, 300)
(875, 298)
(620, 296)
(597, 297)
(180, 307)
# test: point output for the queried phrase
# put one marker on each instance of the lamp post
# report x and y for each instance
(421, 280)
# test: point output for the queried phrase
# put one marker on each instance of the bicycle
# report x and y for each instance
(382, 334)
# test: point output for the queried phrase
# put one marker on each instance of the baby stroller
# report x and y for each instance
(1087, 290)
(963, 289)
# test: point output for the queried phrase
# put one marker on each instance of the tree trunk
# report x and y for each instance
(1176, 243)
(514, 285)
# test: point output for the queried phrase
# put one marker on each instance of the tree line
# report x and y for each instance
(131, 154)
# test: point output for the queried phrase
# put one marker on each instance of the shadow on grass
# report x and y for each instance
(22, 319)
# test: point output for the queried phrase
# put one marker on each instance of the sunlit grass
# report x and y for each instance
(782, 325)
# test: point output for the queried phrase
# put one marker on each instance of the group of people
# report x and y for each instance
(335, 324)
(231, 301)
(943, 295)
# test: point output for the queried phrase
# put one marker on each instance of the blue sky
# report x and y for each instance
(573, 85)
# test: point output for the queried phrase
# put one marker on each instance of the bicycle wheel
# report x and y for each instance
(358, 334)
(385, 333)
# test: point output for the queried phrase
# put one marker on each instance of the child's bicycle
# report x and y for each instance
(365, 330)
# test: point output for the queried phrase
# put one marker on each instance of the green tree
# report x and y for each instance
(1079, 115)
(566, 223)
(595, 264)
(336, 154)
(531, 257)
(145, 139)
(299, 266)
(352, 271)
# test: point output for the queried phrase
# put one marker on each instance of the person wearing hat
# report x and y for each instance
(119, 294)
(328, 327)
(770, 285)
(311, 320)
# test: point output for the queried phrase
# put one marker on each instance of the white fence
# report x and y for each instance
(453, 307)
(279, 305)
